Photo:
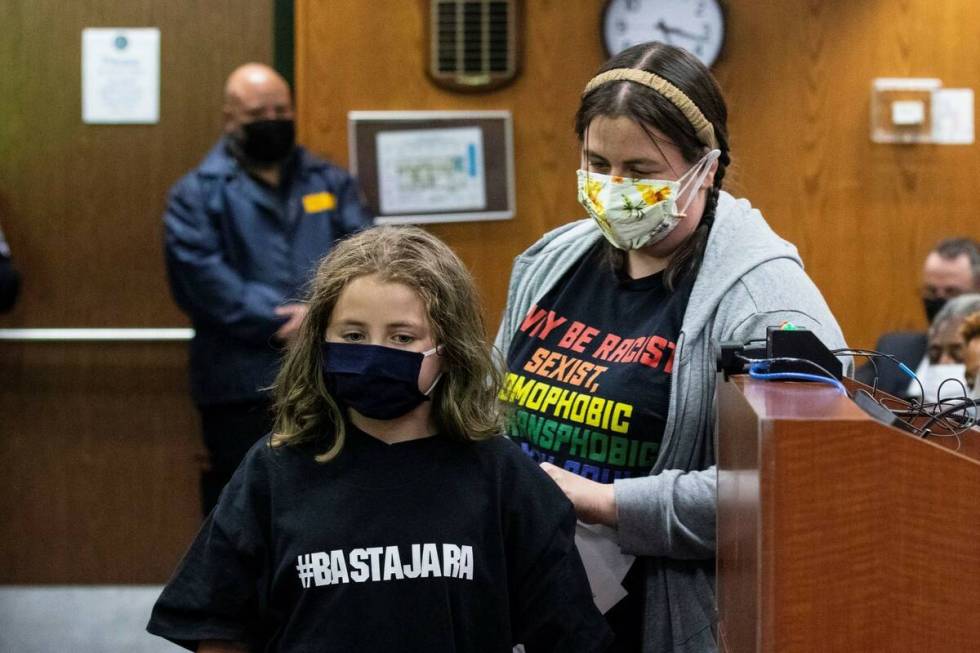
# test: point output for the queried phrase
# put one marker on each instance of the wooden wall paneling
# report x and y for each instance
(99, 442)
(351, 57)
(797, 77)
(98, 462)
(83, 202)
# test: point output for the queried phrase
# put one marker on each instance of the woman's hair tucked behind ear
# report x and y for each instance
(464, 400)
(648, 108)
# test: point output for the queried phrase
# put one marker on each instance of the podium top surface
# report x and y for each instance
(773, 401)
(797, 400)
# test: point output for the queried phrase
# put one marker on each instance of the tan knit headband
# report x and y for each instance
(705, 132)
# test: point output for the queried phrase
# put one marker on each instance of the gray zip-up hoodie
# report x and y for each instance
(750, 278)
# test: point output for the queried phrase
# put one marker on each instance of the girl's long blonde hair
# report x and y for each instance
(464, 401)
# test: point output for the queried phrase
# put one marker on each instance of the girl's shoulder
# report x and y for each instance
(499, 450)
(267, 461)
(515, 469)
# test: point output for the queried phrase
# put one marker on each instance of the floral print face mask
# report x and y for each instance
(634, 213)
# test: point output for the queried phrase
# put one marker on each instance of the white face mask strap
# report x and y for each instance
(433, 386)
(584, 161)
(698, 171)
(425, 354)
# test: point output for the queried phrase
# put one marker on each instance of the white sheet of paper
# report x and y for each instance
(121, 75)
(952, 116)
(605, 564)
(422, 170)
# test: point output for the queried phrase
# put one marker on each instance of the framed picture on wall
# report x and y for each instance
(434, 166)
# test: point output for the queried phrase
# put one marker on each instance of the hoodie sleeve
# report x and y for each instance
(777, 292)
(673, 513)
(513, 311)
(670, 514)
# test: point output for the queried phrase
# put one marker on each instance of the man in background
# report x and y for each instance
(951, 269)
(243, 234)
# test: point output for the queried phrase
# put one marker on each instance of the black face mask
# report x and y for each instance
(267, 141)
(378, 382)
(933, 305)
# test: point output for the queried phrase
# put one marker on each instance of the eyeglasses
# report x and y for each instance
(951, 350)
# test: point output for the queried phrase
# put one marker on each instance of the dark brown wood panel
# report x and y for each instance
(98, 460)
(99, 442)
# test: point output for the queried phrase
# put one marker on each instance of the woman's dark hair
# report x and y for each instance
(649, 108)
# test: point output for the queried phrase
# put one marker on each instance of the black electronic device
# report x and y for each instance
(782, 343)
(788, 341)
(732, 354)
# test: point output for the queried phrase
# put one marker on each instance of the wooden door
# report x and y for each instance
(99, 444)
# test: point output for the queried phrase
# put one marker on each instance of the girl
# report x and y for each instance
(383, 514)
(618, 317)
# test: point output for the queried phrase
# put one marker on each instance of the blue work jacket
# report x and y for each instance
(237, 248)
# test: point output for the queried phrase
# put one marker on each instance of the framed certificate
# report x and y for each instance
(434, 166)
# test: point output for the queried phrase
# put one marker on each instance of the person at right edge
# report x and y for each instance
(9, 277)
(611, 327)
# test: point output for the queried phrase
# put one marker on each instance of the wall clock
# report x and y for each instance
(698, 26)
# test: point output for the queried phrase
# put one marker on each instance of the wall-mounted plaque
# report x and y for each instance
(434, 166)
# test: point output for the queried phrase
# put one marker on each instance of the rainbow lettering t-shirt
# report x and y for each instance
(588, 380)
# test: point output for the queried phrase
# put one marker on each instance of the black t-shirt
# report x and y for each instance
(589, 385)
(589, 371)
(425, 545)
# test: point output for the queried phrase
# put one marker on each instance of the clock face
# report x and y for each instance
(698, 26)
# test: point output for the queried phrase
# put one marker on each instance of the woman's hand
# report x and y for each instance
(595, 503)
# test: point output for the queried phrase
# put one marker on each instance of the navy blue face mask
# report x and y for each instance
(378, 382)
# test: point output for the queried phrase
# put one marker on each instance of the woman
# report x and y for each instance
(611, 324)
(383, 515)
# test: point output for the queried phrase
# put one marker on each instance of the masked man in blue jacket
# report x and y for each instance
(244, 231)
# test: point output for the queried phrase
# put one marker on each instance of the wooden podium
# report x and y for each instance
(837, 533)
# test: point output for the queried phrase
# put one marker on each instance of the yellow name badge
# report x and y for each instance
(319, 202)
